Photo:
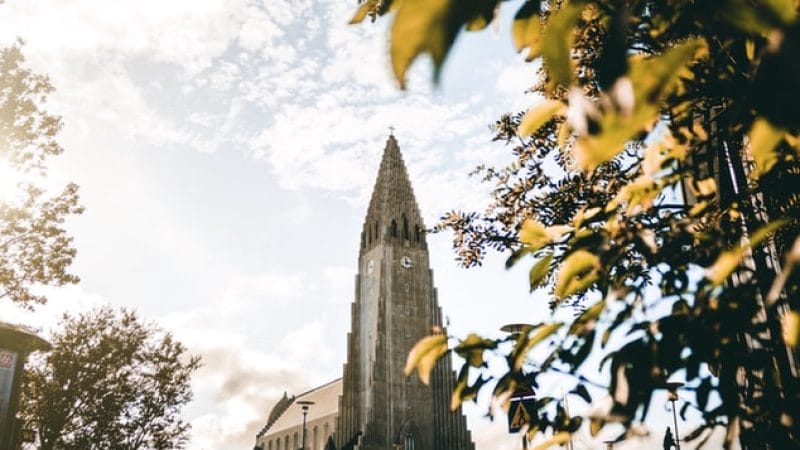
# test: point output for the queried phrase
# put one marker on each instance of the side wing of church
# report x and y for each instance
(395, 305)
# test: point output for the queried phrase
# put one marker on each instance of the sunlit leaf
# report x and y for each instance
(539, 271)
(535, 235)
(557, 42)
(729, 260)
(763, 138)
(485, 13)
(472, 348)
(362, 11)
(791, 328)
(527, 341)
(538, 115)
(578, 271)
(421, 26)
(424, 355)
(653, 79)
(526, 30)
(557, 439)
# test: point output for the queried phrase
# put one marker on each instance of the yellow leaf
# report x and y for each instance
(421, 26)
(362, 11)
(763, 138)
(526, 30)
(578, 271)
(791, 328)
(557, 439)
(424, 355)
(538, 115)
(556, 45)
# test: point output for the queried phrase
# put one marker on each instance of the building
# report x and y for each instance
(378, 407)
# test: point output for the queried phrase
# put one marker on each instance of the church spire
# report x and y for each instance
(393, 213)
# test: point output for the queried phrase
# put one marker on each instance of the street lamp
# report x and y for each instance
(672, 396)
(304, 404)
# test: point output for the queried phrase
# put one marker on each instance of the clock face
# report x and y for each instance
(370, 266)
(406, 262)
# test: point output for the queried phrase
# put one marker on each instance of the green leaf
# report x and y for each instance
(763, 138)
(539, 115)
(556, 45)
(526, 30)
(539, 271)
(424, 355)
(578, 271)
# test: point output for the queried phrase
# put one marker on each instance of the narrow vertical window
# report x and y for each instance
(405, 227)
(393, 229)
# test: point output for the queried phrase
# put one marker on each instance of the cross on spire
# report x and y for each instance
(391, 130)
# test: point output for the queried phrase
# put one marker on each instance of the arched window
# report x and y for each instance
(315, 439)
(296, 441)
(405, 227)
(393, 229)
(286, 443)
(408, 443)
(377, 231)
(417, 233)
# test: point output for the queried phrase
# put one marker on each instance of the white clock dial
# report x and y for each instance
(370, 266)
(406, 262)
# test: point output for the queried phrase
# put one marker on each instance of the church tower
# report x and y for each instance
(395, 306)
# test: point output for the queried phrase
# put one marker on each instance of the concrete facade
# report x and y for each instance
(395, 306)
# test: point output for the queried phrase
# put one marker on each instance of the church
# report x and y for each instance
(374, 406)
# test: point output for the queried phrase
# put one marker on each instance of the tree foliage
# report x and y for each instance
(110, 382)
(35, 248)
(653, 191)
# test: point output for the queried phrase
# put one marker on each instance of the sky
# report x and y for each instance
(226, 150)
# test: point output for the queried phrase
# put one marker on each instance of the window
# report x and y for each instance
(405, 227)
(408, 443)
(286, 443)
(296, 442)
(417, 233)
(393, 229)
(315, 439)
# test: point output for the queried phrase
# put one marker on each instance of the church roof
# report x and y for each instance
(393, 193)
(326, 402)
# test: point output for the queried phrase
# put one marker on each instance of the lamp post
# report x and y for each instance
(304, 404)
(672, 396)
